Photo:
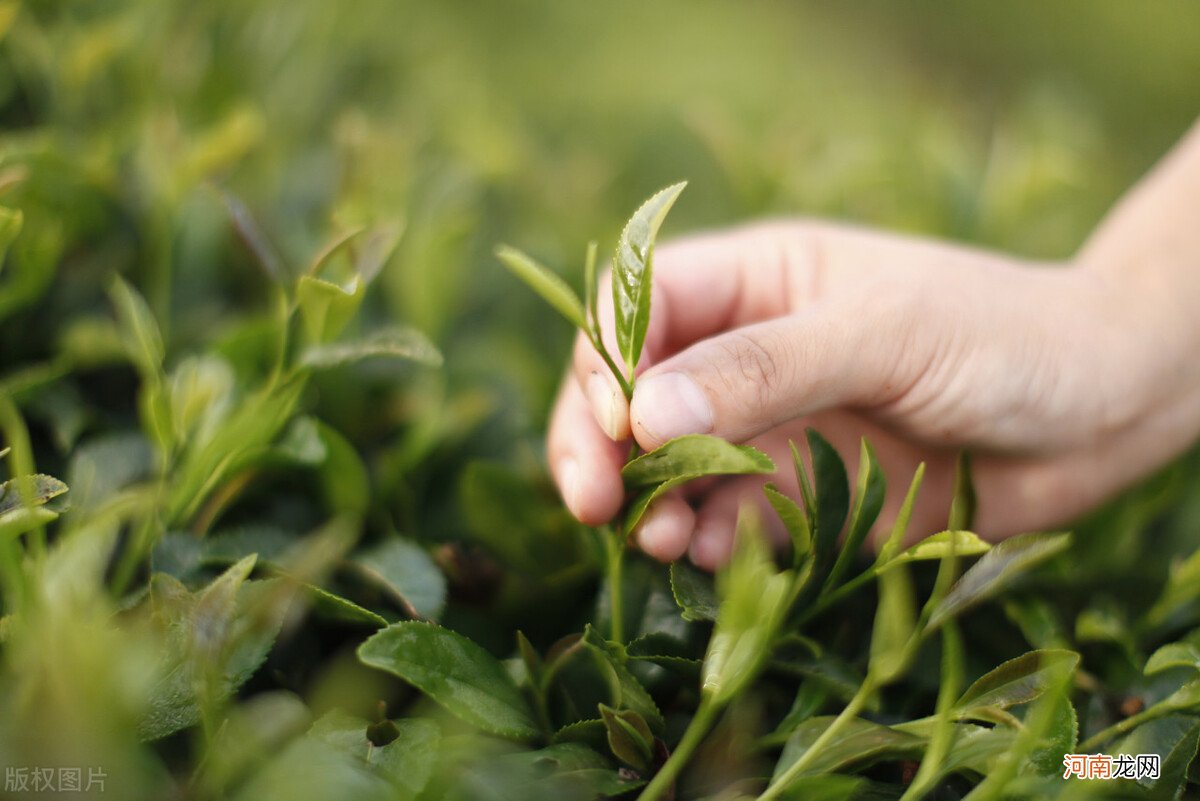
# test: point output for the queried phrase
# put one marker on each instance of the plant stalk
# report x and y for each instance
(693, 735)
(808, 757)
(614, 541)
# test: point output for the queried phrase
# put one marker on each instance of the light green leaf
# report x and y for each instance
(466, 680)
(1019, 680)
(400, 343)
(937, 546)
(1172, 655)
(998, 568)
(35, 490)
(693, 592)
(633, 269)
(11, 221)
(794, 520)
(335, 607)
(895, 625)
(692, 456)
(755, 598)
(547, 284)
(326, 307)
(139, 330)
(895, 539)
(404, 569)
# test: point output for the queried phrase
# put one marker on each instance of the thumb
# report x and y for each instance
(857, 352)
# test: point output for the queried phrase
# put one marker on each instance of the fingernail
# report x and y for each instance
(603, 400)
(568, 478)
(671, 405)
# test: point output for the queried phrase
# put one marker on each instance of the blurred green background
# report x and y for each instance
(543, 124)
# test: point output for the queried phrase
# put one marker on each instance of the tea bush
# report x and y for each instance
(274, 522)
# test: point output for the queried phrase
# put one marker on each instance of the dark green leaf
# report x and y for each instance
(626, 691)
(832, 487)
(629, 737)
(404, 569)
(998, 568)
(35, 490)
(693, 456)
(633, 269)
(859, 743)
(870, 490)
(962, 505)
(466, 680)
(549, 286)
(1020, 680)
(694, 592)
(1174, 739)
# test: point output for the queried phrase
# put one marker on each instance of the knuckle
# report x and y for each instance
(752, 370)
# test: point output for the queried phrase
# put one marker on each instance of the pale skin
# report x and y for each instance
(1068, 382)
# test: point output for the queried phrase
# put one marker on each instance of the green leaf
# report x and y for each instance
(998, 568)
(794, 520)
(895, 625)
(832, 487)
(35, 490)
(344, 477)
(11, 221)
(404, 569)
(1019, 680)
(754, 601)
(895, 539)
(335, 607)
(633, 270)
(694, 592)
(1175, 740)
(870, 490)
(629, 737)
(327, 308)
(547, 284)
(591, 291)
(1172, 655)
(938, 546)
(253, 238)
(693, 456)
(395, 343)
(860, 742)
(466, 680)
(139, 330)
(627, 691)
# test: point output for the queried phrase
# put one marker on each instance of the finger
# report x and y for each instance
(716, 521)
(586, 465)
(744, 382)
(666, 530)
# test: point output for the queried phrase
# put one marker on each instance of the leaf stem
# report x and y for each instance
(693, 735)
(1120, 727)
(626, 385)
(777, 787)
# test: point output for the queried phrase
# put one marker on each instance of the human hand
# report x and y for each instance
(1049, 374)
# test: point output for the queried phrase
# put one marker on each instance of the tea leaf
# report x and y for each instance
(860, 742)
(404, 569)
(549, 286)
(326, 307)
(895, 625)
(139, 330)
(633, 269)
(998, 568)
(693, 456)
(629, 737)
(253, 238)
(11, 221)
(1019, 680)
(335, 607)
(937, 546)
(832, 488)
(1175, 740)
(963, 503)
(754, 600)
(401, 343)
(35, 490)
(693, 592)
(794, 520)
(1171, 655)
(870, 490)
(463, 678)
(627, 691)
